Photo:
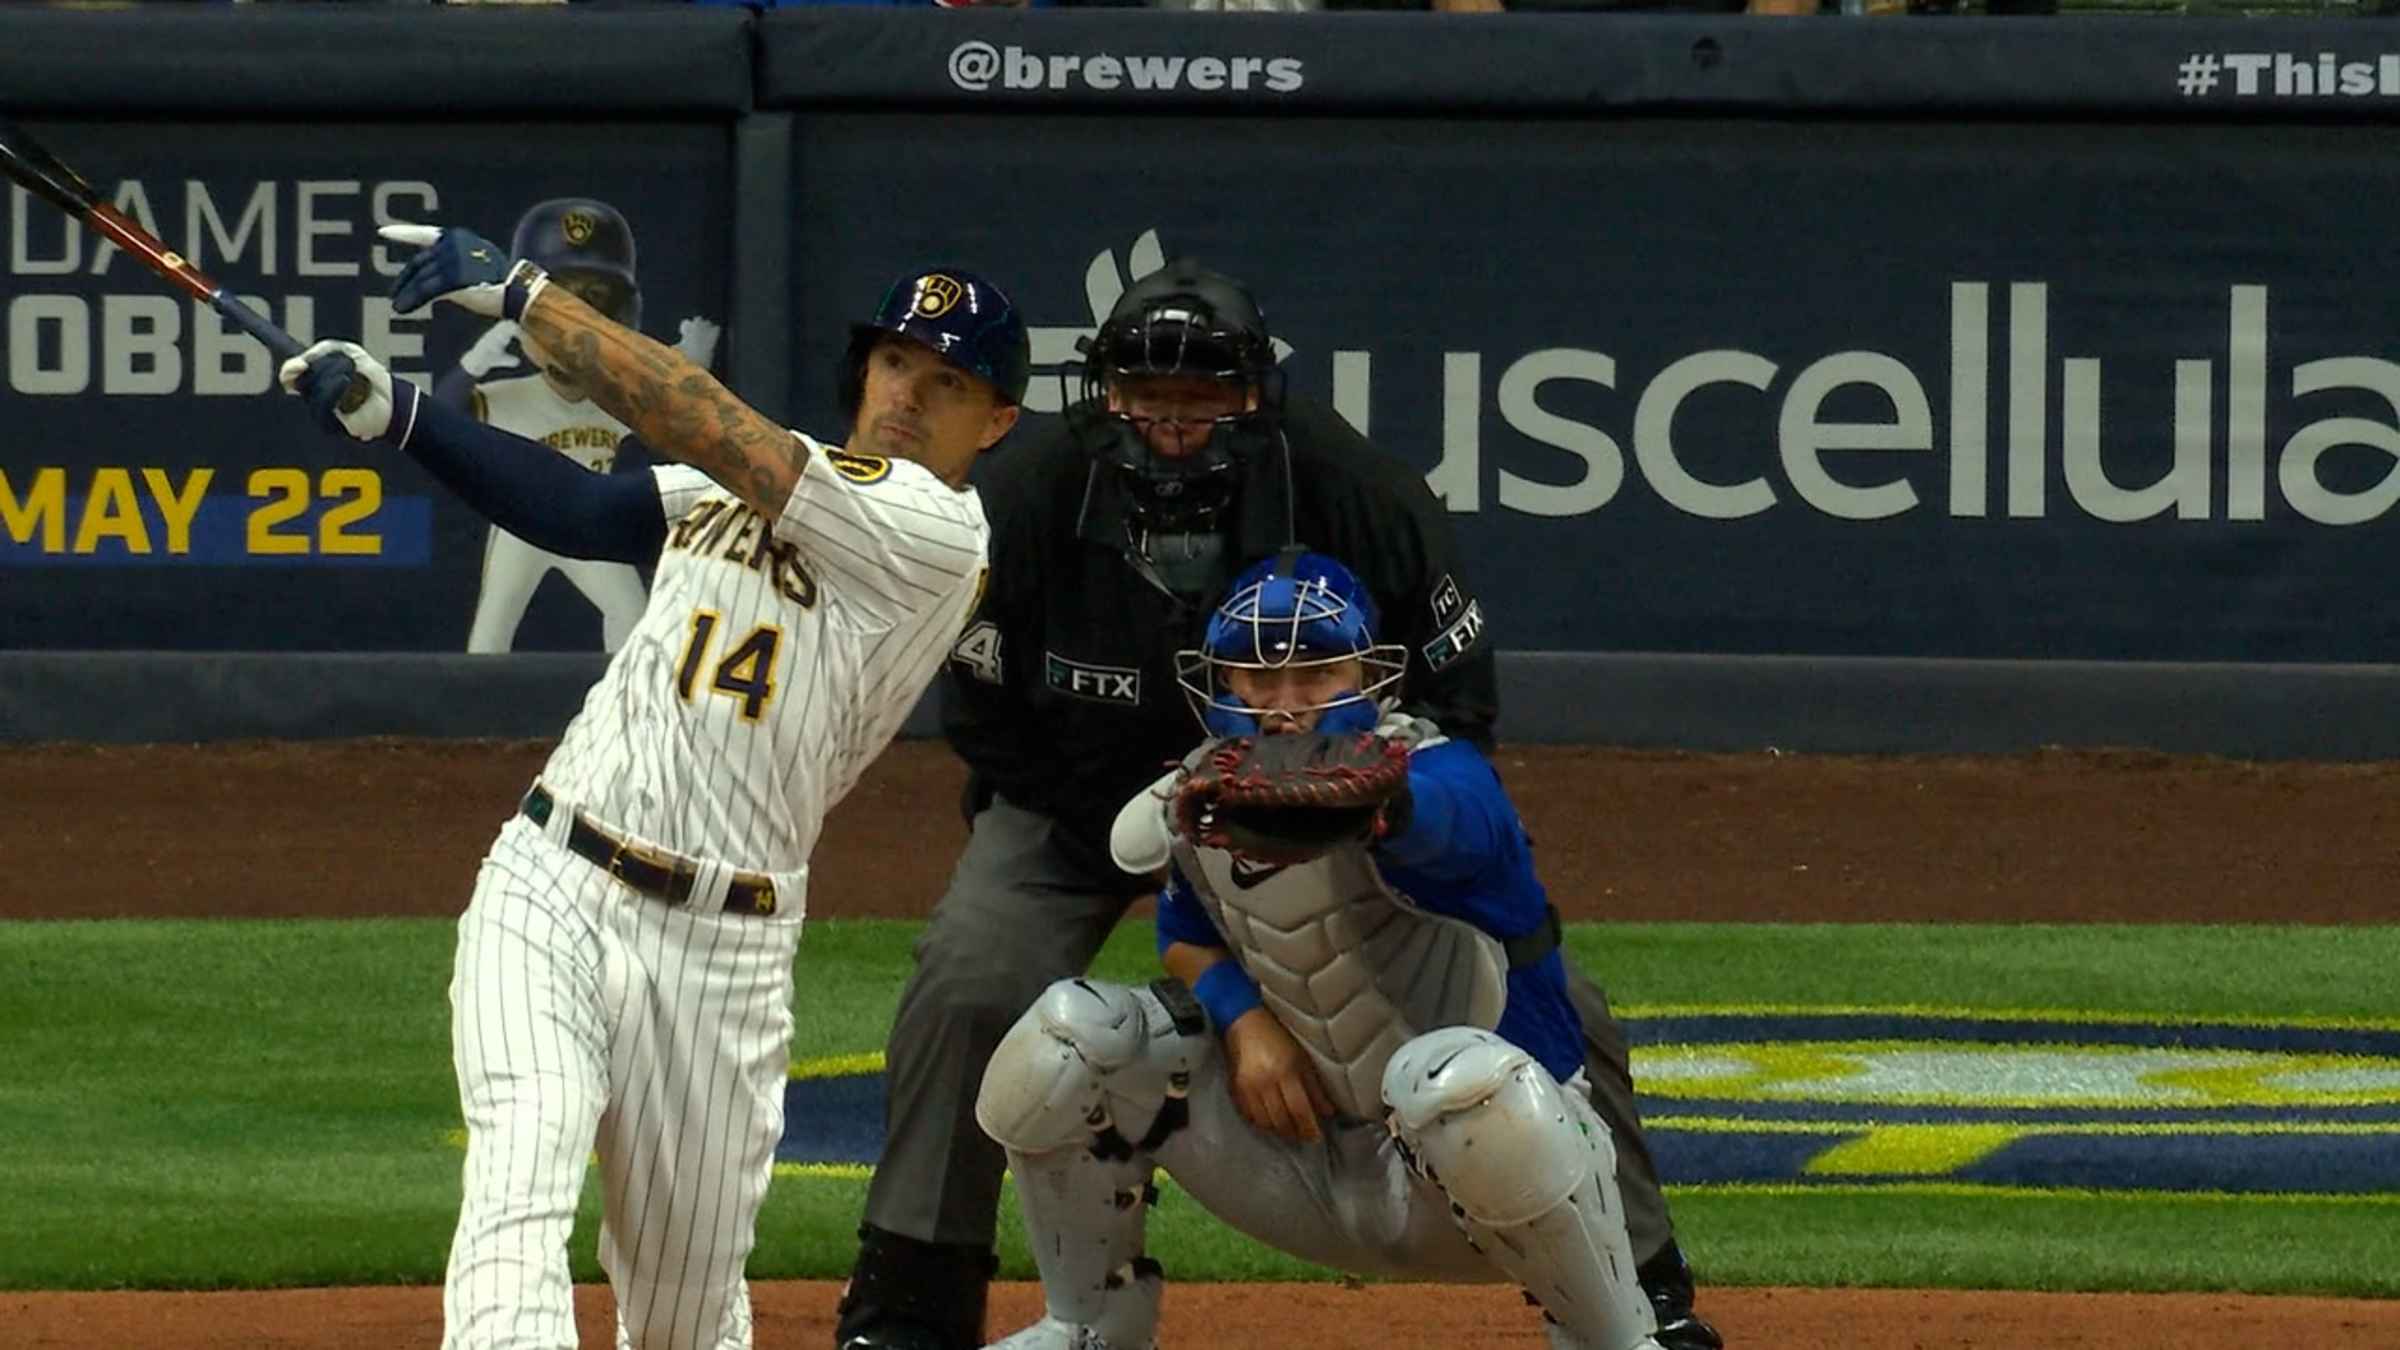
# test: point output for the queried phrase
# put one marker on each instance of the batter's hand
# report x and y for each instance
(464, 268)
(1274, 1082)
(322, 374)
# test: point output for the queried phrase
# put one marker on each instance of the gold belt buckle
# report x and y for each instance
(619, 849)
(761, 902)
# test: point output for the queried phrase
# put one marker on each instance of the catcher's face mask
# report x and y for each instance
(1292, 649)
(1295, 697)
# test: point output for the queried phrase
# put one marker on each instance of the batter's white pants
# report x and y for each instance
(585, 1015)
(513, 570)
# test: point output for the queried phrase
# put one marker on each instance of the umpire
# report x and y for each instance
(1181, 463)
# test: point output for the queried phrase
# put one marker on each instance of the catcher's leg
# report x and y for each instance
(1019, 914)
(1530, 1175)
(1608, 1069)
(1081, 1091)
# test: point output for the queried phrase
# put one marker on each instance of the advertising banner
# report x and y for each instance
(157, 490)
(1003, 58)
(2107, 391)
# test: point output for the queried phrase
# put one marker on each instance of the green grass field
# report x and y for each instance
(225, 1104)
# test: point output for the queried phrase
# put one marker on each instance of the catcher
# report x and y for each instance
(1366, 1056)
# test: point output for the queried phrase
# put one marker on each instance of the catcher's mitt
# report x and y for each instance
(1287, 799)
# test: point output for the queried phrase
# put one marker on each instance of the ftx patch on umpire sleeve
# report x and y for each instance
(1461, 623)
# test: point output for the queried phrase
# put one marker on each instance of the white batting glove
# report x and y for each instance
(698, 341)
(322, 374)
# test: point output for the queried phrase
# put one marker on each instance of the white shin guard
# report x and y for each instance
(1130, 1323)
(1085, 1219)
(1531, 1175)
(1081, 1092)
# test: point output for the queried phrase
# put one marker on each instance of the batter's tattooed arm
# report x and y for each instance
(673, 405)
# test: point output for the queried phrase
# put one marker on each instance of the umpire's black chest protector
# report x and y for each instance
(1092, 612)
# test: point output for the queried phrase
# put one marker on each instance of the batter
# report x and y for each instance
(623, 969)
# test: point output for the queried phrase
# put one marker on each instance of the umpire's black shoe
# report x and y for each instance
(905, 1294)
(1668, 1281)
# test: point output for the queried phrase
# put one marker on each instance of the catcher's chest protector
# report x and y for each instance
(1346, 963)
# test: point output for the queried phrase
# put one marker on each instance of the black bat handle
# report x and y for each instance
(282, 344)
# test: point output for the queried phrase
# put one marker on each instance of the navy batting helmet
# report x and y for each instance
(966, 320)
(586, 246)
(1294, 609)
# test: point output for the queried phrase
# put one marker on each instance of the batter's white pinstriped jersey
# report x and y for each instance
(773, 664)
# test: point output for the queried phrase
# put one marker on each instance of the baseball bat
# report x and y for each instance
(46, 176)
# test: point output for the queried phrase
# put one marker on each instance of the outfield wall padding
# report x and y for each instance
(1932, 384)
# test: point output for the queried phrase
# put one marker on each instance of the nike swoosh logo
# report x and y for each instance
(1248, 875)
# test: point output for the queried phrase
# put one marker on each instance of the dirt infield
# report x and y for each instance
(799, 1316)
(390, 828)
(308, 829)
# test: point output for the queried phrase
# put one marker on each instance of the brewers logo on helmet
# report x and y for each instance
(966, 320)
(936, 295)
(586, 246)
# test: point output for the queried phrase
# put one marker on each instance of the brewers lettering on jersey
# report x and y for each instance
(623, 974)
(717, 713)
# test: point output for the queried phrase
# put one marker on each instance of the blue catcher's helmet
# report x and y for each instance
(587, 246)
(1293, 610)
(965, 319)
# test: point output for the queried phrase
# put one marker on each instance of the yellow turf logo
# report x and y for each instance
(1904, 1073)
(1777, 1099)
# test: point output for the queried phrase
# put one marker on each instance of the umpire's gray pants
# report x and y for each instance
(1021, 913)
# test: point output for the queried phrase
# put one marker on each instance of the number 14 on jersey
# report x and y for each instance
(746, 671)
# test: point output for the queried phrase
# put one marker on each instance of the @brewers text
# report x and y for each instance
(977, 66)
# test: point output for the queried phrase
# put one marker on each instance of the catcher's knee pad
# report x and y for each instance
(1530, 1173)
(1088, 1058)
(1490, 1125)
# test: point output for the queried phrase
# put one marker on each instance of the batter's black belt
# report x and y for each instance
(659, 875)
